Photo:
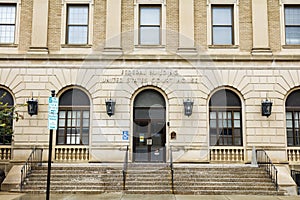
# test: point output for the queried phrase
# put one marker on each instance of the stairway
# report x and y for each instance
(146, 178)
(75, 179)
(150, 178)
(222, 180)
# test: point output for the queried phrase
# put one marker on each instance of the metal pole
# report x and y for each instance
(49, 157)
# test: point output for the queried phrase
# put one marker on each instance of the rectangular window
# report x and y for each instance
(292, 25)
(222, 25)
(7, 23)
(150, 25)
(77, 24)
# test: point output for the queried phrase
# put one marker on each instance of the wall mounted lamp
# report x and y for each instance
(32, 107)
(266, 108)
(188, 107)
(110, 107)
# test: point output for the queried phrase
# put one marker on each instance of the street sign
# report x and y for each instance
(53, 105)
(124, 135)
(52, 121)
(52, 113)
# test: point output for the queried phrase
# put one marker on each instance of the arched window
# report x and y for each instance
(73, 118)
(225, 119)
(6, 100)
(292, 106)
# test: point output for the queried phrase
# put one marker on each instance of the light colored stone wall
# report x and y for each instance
(253, 81)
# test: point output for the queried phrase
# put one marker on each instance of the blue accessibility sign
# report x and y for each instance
(124, 135)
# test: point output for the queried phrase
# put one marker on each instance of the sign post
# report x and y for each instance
(52, 125)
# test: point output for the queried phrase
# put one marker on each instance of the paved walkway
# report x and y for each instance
(120, 196)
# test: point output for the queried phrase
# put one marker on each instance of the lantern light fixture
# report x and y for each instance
(188, 107)
(110, 107)
(32, 106)
(266, 108)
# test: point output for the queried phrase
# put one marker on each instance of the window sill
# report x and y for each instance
(76, 46)
(290, 46)
(9, 45)
(223, 46)
(150, 46)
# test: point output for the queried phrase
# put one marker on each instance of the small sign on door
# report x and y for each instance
(149, 141)
(142, 137)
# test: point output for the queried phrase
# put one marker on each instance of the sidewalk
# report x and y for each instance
(121, 196)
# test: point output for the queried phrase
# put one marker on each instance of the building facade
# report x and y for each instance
(186, 76)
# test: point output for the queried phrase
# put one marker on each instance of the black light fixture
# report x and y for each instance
(110, 107)
(188, 107)
(266, 108)
(32, 107)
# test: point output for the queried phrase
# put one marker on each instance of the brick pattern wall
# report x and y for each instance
(99, 25)
(54, 23)
(245, 25)
(172, 25)
(274, 25)
(127, 26)
(200, 13)
(26, 25)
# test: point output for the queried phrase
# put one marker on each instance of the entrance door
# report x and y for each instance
(149, 136)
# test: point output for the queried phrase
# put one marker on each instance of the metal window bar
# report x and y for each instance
(34, 159)
(263, 160)
(295, 175)
(125, 166)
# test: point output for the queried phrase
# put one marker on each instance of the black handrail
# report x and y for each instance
(172, 169)
(263, 160)
(34, 159)
(125, 165)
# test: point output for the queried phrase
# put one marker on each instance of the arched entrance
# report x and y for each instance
(149, 127)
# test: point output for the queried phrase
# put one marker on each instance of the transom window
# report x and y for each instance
(293, 119)
(6, 133)
(225, 120)
(292, 24)
(150, 25)
(7, 23)
(222, 25)
(77, 24)
(73, 118)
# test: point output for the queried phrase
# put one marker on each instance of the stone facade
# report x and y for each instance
(177, 76)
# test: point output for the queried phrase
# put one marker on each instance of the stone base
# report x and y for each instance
(261, 51)
(38, 50)
(13, 179)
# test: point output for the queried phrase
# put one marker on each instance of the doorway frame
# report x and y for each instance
(133, 97)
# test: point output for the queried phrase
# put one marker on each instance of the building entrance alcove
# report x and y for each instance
(149, 127)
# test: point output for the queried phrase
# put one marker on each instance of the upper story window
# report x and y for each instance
(150, 25)
(77, 24)
(222, 25)
(292, 24)
(7, 23)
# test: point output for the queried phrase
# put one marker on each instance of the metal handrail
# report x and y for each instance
(125, 165)
(172, 169)
(263, 160)
(33, 160)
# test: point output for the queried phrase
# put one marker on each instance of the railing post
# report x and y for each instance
(172, 170)
(125, 168)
